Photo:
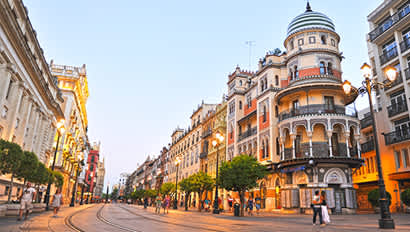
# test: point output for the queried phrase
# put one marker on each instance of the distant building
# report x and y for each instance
(99, 187)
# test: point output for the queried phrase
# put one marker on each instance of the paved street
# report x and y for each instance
(121, 217)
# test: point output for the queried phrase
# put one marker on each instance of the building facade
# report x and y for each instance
(291, 116)
(388, 46)
(29, 95)
(99, 186)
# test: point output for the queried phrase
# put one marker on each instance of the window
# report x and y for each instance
(249, 101)
(323, 39)
(295, 105)
(298, 149)
(406, 162)
(6, 190)
(240, 82)
(329, 104)
(9, 89)
(292, 46)
(312, 39)
(240, 130)
(296, 72)
(277, 146)
(4, 112)
(397, 157)
(276, 111)
(91, 168)
(300, 42)
(322, 68)
(335, 144)
(264, 113)
(276, 80)
(17, 123)
(291, 74)
(389, 48)
(333, 42)
(329, 69)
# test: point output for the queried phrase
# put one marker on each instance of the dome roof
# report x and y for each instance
(310, 19)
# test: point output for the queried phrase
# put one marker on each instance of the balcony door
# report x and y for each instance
(335, 144)
(297, 146)
(329, 104)
(398, 99)
(295, 107)
(402, 127)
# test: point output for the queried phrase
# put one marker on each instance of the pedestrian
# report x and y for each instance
(317, 210)
(158, 203)
(250, 206)
(325, 213)
(26, 198)
(57, 201)
(145, 202)
(230, 203)
(220, 206)
(257, 204)
(166, 204)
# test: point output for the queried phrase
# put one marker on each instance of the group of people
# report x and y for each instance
(249, 204)
(319, 206)
(28, 195)
(163, 202)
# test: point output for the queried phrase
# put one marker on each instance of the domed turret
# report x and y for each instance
(310, 20)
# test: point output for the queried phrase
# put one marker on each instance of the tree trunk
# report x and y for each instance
(11, 188)
(200, 201)
(186, 201)
(242, 199)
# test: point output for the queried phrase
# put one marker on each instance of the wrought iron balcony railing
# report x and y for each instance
(314, 109)
(396, 109)
(397, 136)
(320, 150)
(247, 134)
(367, 146)
(396, 82)
(407, 73)
(389, 23)
(365, 122)
(388, 55)
(405, 44)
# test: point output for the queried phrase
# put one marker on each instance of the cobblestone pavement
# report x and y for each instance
(131, 218)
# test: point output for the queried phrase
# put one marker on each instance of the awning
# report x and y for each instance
(400, 175)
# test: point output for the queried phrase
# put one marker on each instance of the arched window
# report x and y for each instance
(240, 105)
(267, 148)
(291, 74)
(262, 85)
(276, 111)
(296, 72)
(263, 149)
(329, 69)
(266, 84)
(277, 146)
(264, 113)
(322, 68)
(323, 39)
(276, 80)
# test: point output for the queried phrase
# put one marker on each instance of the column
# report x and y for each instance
(359, 149)
(6, 72)
(292, 139)
(310, 135)
(34, 131)
(347, 135)
(17, 106)
(329, 135)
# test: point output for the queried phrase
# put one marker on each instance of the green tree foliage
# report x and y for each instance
(58, 179)
(10, 160)
(374, 196)
(167, 188)
(201, 182)
(241, 175)
(114, 194)
(29, 164)
(405, 197)
(150, 193)
(40, 175)
(186, 185)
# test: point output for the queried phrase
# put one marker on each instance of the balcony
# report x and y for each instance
(397, 136)
(407, 73)
(313, 109)
(367, 146)
(203, 154)
(388, 55)
(405, 44)
(247, 134)
(396, 109)
(206, 133)
(392, 20)
(396, 82)
(320, 150)
(365, 122)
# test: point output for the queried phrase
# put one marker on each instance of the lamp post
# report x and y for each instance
(82, 193)
(177, 161)
(60, 132)
(75, 184)
(385, 222)
(106, 196)
(216, 143)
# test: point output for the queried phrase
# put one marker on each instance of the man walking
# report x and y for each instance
(26, 197)
(317, 208)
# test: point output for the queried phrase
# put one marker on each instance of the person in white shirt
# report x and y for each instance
(26, 197)
(57, 201)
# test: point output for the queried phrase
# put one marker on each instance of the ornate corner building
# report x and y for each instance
(290, 114)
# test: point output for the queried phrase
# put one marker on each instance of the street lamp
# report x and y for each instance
(385, 222)
(177, 161)
(60, 132)
(216, 143)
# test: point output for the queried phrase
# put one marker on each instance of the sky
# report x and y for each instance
(150, 63)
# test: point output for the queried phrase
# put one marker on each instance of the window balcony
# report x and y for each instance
(320, 150)
(367, 146)
(313, 109)
(397, 136)
(407, 73)
(396, 82)
(405, 44)
(247, 134)
(388, 55)
(396, 109)
(365, 122)
(206, 133)
(392, 20)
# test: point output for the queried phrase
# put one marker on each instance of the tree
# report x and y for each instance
(186, 185)
(28, 165)
(405, 197)
(58, 178)
(374, 196)
(114, 194)
(167, 188)
(201, 182)
(241, 175)
(10, 160)
(39, 175)
(150, 193)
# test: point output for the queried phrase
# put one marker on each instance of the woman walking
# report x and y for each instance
(325, 213)
(158, 203)
(166, 203)
(250, 206)
(230, 202)
(57, 201)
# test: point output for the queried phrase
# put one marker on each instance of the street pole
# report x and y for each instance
(74, 187)
(106, 196)
(176, 190)
(385, 222)
(216, 206)
(82, 194)
(47, 198)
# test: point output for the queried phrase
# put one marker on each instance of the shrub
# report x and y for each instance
(373, 197)
(405, 197)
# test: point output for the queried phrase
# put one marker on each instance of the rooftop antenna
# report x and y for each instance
(250, 44)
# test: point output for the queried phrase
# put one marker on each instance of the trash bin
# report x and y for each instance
(236, 209)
